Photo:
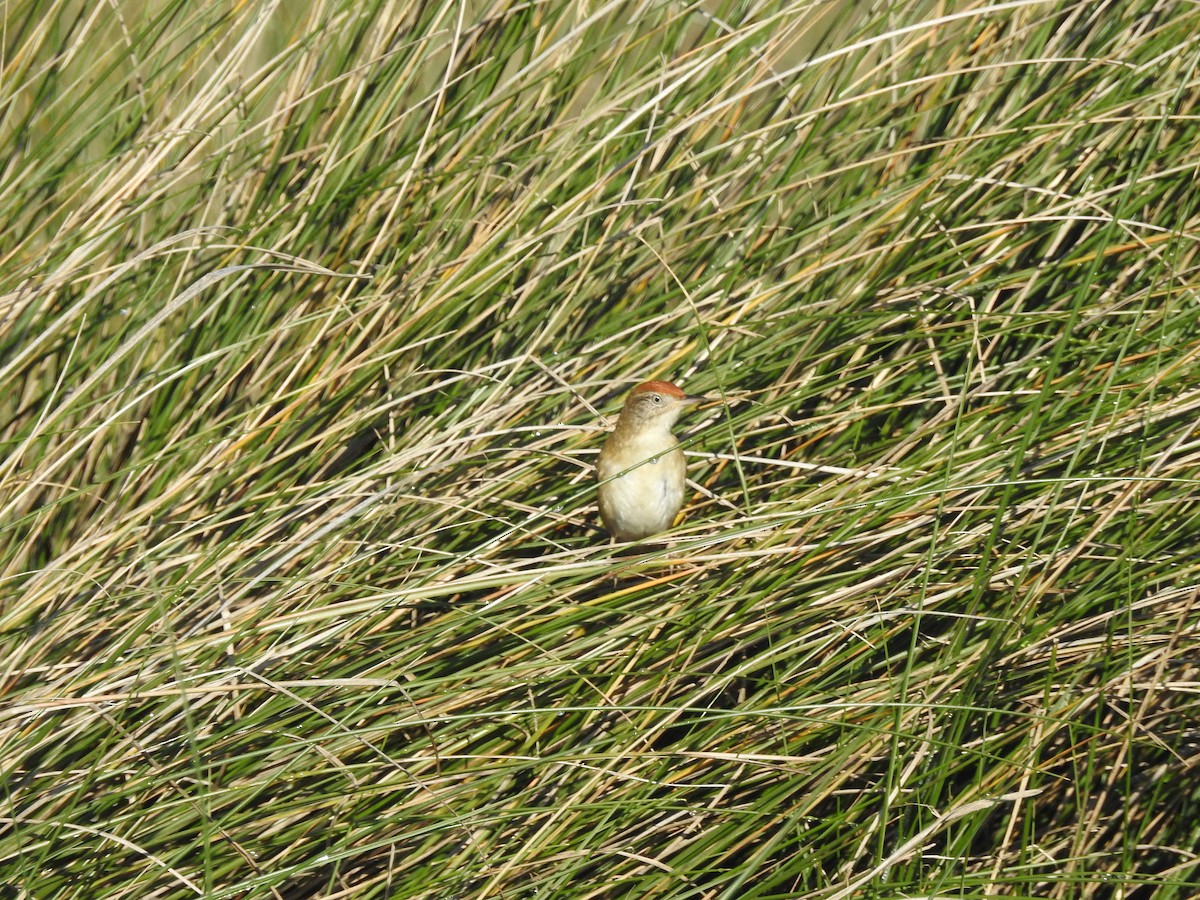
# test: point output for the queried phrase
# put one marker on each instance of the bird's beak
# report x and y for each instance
(697, 400)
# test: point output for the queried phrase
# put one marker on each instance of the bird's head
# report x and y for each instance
(656, 404)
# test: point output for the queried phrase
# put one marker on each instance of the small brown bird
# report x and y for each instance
(641, 468)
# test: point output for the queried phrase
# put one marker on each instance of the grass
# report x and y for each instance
(311, 327)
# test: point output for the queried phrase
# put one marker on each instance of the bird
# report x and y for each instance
(641, 468)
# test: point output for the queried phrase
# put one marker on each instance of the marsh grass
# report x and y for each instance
(311, 325)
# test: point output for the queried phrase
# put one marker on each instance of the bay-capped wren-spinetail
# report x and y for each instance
(641, 468)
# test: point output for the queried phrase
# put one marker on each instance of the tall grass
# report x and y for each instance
(310, 324)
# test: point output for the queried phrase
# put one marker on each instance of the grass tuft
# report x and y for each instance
(311, 322)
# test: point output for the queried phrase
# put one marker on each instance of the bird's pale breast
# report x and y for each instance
(644, 500)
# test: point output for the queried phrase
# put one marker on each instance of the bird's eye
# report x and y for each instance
(657, 399)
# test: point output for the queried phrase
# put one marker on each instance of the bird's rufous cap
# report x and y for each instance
(665, 387)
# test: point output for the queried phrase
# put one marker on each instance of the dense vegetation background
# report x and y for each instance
(311, 319)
